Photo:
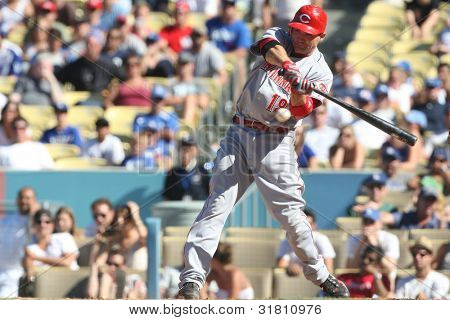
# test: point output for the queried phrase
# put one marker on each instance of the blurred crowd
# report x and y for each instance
(113, 48)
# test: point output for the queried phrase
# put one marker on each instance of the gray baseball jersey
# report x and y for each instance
(266, 91)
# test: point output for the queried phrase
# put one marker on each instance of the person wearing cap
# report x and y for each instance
(373, 196)
(157, 60)
(400, 90)
(10, 55)
(112, 50)
(372, 234)
(416, 123)
(436, 113)
(62, 133)
(105, 146)
(369, 282)
(425, 283)
(132, 42)
(188, 95)
(177, 37)
(17, 156)
(438, 175)
(347, 152)
(209, 60)
(421, 17)
(190, 179)
(39, 86)
(425, 215)
(259, 147)
(112, 9)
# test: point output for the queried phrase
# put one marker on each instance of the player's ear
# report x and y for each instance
(322, 36)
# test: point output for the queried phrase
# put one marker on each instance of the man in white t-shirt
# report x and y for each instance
(426, 283)
(373, 235)
(106, 145)
(321, 137)
(14, 235)
(286, 258)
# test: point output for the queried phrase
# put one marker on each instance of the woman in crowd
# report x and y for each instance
(231, 281)
(65, 221)
(48, 248)
(135, 90)
(347, 152)
(7, 133)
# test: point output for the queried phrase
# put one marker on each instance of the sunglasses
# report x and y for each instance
(39, 222)
(97, 215)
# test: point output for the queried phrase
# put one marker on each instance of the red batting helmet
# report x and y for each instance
(310, 19)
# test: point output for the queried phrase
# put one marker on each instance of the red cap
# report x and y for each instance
(94, 4)
(310, 19)
(182, 5)
(48, 6)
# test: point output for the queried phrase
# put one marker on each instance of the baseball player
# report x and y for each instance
(259, 148)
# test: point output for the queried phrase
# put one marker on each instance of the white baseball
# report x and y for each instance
(282, 115)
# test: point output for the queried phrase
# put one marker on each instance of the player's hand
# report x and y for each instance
(304, 85)
(291, 72)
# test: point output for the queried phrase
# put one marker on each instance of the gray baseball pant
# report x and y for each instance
(269, 159)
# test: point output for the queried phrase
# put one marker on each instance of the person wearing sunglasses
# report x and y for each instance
(425, 283)
(48, 248)
(369, 282)
(103, 216)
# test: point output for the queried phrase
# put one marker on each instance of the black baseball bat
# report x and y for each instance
(381, 124)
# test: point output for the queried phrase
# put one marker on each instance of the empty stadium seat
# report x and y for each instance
(79, 163)
(176, 231)
(378, 36)
(172, 250)
(388, 22)
(197, 19)
(61, 282)
(121, 119)
(71, 98)
(256, 233)
(349, 225)
(286, 287)
(255, 253)
(158, 20)
(84, 118)
(434, 234)
(261, 280)
(334, 234)
(39, 117)
(7, 84)
(62, 150)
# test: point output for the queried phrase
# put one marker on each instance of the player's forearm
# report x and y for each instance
(276, 56)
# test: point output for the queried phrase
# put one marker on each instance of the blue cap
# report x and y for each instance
(381, 89)
(372, 214)
(158, 93)
(364, 95)
(417, 117)
(390, 154)
(377, 179)
(439, 152)
(60, 107)
(152, 37)
(433, 83)
(404, 65)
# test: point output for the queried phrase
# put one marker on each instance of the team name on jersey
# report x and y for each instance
(272, 73)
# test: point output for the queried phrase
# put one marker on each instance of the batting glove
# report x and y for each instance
(290, 72)
(304, 85)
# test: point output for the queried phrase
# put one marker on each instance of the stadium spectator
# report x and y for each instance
(177, 37)
(135, 90)
(287, 259)
(103, 215)
(65, 221)
(370, 282)
(346, 87)
(416, 123)
(77, 45)
(46, 14)
(157, 61)
(444, 75)
(55, 53)
(435, 113)
(321, 136)
(112, 9)
(112, 50)
(94, 10)
(48, 248)
(7, 133)
(90, 72)
(389, 163)
(105, 145)
(209, 60)
(438, 174)
(10, 55)
(306, 156)
(442, 258)
(165, 123)
(426, 283)
(408, 157)
(40, 86)
(338, 66)
(187, 94)
(62, 132)
(347, 152)
(421, 17)
(189, 180)
(110, 281)
(15, 233)
(376, 190)
(373, 235)
(149, 152)
(144, 24)
(366, 134)
(442, 45)
(17, 155)
(36, 44)
(400, 90)
(13, 13)
(232, 283)
(424, 216)
(131, 41)
(131, 235)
